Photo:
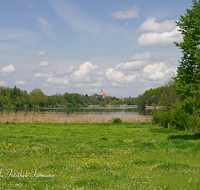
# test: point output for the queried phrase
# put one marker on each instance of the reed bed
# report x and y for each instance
(60, 117)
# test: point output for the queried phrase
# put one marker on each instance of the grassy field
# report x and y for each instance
(97, 156)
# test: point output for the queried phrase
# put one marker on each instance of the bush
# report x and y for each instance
(104, 104)
(117, 120)
(70, 105)
(85, 104)
(177, 117)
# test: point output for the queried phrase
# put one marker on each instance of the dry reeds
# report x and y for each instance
(61, 117)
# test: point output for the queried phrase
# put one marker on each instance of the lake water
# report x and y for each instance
(110, 112)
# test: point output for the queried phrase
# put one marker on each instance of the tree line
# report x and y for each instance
(17, 98)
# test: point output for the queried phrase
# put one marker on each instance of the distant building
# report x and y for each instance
(102, 96)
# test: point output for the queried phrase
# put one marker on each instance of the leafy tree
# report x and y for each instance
(150, 97)
(25, 99)
(169, 95)
(107, 99)
(94, 100)
(188, 73)
(116, 102)
(75, 99)
(129, 101)
(38, 97)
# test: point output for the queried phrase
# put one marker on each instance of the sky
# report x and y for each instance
(123, 47)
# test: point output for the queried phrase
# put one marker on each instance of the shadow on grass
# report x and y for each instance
(162, 130)
(186, 137)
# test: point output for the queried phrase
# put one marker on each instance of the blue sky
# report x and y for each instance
(83, 46)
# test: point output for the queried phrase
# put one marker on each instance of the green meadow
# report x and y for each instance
(97, 156)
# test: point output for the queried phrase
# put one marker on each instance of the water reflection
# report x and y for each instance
(113, 111)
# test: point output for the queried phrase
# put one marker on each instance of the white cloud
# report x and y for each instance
(75, 18)
(22, 82)
(97, 84)
(80, 85)
(55, 80)
(61, 86)
(131, 65)
(157, 39)
(41, 53)
(158, 34)
(3, 83)
(8, 69)
(43, 64)
(69, 70)
(151, 26)
(82, 75)
(136, 63)
(156, 71)
(100, 78)
(118, 76)
(142, 56)
(46, 85)
(43, 75)
(128, 13)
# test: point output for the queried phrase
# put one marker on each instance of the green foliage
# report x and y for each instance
(104, 104)
(38, 98)
(150, 97)
(188, 73)
(169, 95)
(94, 100)
(162, 96)
(116, 102)
(117, 120)
(177, 117)
(131, 101)
(17, 98)
(69, 105)
(77, 100)
(107, 100)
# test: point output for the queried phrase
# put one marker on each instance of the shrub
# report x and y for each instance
(85, 104)
(178, 117)
(70, 105)
(117, 120)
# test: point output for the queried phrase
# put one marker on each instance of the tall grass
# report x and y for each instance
(60, 117)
